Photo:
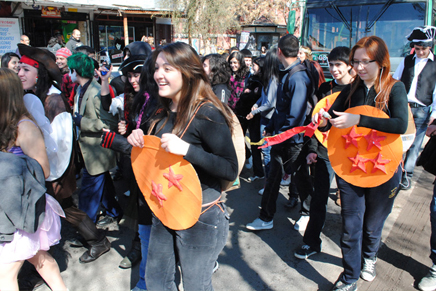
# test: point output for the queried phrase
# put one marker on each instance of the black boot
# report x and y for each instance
(96, 239)
(133, 257)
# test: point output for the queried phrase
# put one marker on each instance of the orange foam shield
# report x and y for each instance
(364, 157)
(325, 103)
(169, 183)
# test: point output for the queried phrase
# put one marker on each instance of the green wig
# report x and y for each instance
(82, 64)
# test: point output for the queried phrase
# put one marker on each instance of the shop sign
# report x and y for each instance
(48, 11)
(9, 34)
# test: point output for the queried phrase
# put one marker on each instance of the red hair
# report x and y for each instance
(377, 50)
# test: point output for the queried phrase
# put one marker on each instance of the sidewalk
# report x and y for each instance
(264, 260)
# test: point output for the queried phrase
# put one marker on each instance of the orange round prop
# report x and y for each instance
(325, 103)
(364, 157)
(169, 183)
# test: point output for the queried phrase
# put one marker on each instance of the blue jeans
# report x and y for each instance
(144, 236)
(318, 204)
(196, 249)
(433, 226)
(96, 189)
(265, 151)
(364, 212)
(421, 116)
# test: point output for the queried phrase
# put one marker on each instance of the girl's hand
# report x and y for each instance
(122, 128)
(316, 116)
(174, 144)
(249, 116)
(136, 138)
(247, 90)
(311, 158)
(345, 120)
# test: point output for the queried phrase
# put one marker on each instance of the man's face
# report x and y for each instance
(76, 34)
(422, 51)
(25, 40)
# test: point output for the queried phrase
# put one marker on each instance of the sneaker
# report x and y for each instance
(261, 191)
(292, 202)
(259, 224)
(254, 178)
(286, 180)
(301, 224)
(368, 269)
(341, 286)
(304, 252)
(428, 283)
(215, 267)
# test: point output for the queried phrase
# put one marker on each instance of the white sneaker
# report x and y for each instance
(259, 224)
(301, 224)
(286, 180)
(254, 178)
(261, 191)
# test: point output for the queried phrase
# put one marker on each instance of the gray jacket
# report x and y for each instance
(22, 195)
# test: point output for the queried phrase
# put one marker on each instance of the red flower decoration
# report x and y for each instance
(352, 137)
(379, 163)
(173, 179)
(374, 140)
(358, 163)
(157, 192)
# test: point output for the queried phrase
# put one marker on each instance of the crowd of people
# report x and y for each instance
(63, 117)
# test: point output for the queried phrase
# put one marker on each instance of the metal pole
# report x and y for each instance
(126, 30)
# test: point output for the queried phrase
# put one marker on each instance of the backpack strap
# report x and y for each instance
(192, 118)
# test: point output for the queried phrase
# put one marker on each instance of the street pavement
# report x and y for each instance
(264, 260)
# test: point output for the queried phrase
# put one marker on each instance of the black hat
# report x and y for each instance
(44, 57)
(132, 64)
(422, 35)
(138, 48)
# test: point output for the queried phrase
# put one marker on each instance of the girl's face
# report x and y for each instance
(134, 80)
(367, 72)
(168, 79)
(61, 62)
(301, 55)
(234, 65)
(13, 64)
(206, 67)
(28, 76)
(256, 69)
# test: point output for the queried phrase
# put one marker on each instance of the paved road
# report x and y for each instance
(264, 260)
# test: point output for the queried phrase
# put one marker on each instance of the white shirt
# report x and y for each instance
(419, 66)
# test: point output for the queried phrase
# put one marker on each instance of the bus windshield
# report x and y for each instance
(329, 27)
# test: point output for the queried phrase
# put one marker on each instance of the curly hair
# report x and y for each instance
(243, 69)
(82, 64)
(219, 69)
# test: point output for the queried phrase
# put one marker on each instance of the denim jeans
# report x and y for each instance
(364, 212)
(96, 189)
(318, 204)
(265, 151)
(433, 226)
(144, 236)
(196, 249)
(289, 153)
(421, 116)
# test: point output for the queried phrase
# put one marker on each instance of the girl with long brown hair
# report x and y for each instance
(364, 210)
(186, 95)
(19, 135)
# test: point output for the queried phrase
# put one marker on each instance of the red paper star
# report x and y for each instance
(327, 105)
(379, 163)
(157, 192)
(173, 179)
(358, 163)
(351, 138)
(325, 135)
(374, 140)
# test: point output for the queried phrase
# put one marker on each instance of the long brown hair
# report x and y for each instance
(12, 107)
(196, 88)
(377, 50)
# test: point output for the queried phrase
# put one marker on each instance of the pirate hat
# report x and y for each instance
(132, 64)
(45, 58)
(422, 35)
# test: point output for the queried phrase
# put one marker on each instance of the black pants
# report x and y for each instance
(289, 153)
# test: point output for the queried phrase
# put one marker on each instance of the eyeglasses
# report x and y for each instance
(364, 63)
